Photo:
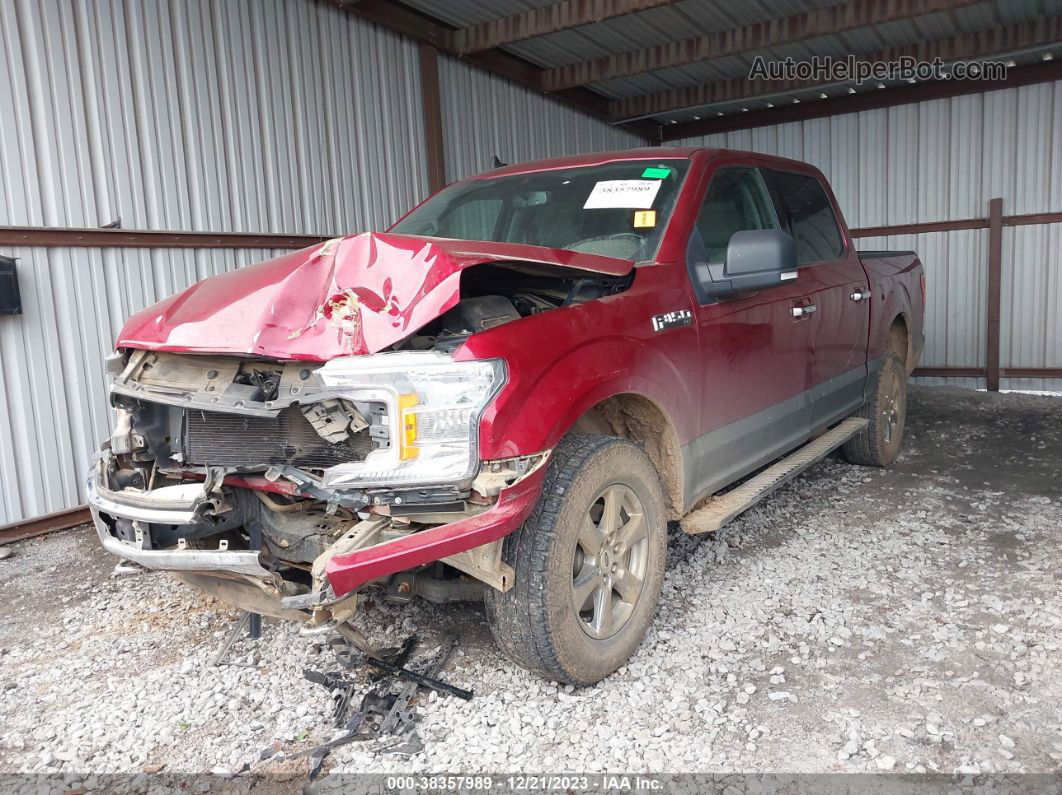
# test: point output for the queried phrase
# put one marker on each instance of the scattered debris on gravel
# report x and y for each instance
(905, 620)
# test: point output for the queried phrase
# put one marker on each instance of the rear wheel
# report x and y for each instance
(886, 411)
(589, 563)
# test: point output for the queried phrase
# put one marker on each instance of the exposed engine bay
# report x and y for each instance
(493, 295)
(285, 462)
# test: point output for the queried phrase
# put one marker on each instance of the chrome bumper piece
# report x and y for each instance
(179, 510)
(176, 559)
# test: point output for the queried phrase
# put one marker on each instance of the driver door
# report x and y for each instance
(755, 352)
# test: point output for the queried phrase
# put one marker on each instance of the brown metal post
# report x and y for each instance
(995, 278)
(433, 127)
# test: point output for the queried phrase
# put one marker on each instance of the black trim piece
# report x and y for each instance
(723, 456)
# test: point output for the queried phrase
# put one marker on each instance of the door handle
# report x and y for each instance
(803, 311)
(860, 295)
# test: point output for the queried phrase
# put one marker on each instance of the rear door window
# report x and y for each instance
(737, 200)
(807, 215)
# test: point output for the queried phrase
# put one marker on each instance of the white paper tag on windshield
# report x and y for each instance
(630, 194)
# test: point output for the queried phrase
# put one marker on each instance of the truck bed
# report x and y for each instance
(897, 284)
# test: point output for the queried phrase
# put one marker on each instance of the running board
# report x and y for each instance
(717, 511)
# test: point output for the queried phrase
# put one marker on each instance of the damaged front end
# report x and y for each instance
(283, 487)
(289, 432)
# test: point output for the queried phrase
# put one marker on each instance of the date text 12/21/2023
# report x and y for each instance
(525, 783)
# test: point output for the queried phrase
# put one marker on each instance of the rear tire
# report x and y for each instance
(886, 411)
(597, 537)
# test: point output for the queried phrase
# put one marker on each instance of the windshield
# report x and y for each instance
(617, 209)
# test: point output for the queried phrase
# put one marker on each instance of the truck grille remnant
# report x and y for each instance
(222, 439)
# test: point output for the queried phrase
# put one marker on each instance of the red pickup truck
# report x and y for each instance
(508, 395)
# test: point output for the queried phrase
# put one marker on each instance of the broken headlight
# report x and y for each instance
(433, 409)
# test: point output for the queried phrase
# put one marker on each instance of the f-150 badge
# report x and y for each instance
(679, 317)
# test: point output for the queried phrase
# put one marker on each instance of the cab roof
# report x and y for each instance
(642, 153)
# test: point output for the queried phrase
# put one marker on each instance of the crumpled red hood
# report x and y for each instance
(347, 296)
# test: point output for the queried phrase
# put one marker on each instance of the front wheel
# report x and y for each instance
(589, 563)
(886, 411)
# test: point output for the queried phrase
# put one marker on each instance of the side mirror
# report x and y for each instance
(759, 252)
(755, 260)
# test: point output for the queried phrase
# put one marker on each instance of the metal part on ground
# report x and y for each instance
(395, 711)
(400, 657)
(404, 701)
(340, 688)
(348, 657)
(221, 658)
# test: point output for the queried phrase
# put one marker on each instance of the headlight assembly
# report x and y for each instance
(434, 405)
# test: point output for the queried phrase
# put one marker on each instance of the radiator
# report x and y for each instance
(221, 439)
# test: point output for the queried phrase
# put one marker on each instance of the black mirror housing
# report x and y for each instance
(755, 260)
(759, 251)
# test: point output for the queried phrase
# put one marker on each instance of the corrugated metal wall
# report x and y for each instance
(172, 114)
(286, 116)
(206, 115)
(53, 390)
(296, 117)
(944, 160)
(484, 115)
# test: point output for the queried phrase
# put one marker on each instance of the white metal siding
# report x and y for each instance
(271, 116)
(1031, 307)
(484, 115)
(940, 160)
(212, 115)
(53, 404)
(944, 160)
(286, 116)
(956, 292)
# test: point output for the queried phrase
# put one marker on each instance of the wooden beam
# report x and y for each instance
(920, 228)
(747, 38)
(995, 276)
(948, 372)
(564, 15)
(1032, 219)
(998, 41)
(91, 237)
(1031, 372)
(146, 238)
(433, 123)
(39, 525)
(866, 100)
(428, 30)
(978, 372)
(406, 21)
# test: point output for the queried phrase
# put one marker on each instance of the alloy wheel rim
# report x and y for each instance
(610, 563)
(891, 409)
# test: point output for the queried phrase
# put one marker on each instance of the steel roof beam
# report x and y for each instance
(867, 100)
(554, 18)
(422, 28)
(747, 38)
(998, 41)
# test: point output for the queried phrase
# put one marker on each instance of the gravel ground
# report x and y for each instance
(859, 620)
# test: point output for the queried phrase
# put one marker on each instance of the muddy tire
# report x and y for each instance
(589, 563)
(879, 443)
